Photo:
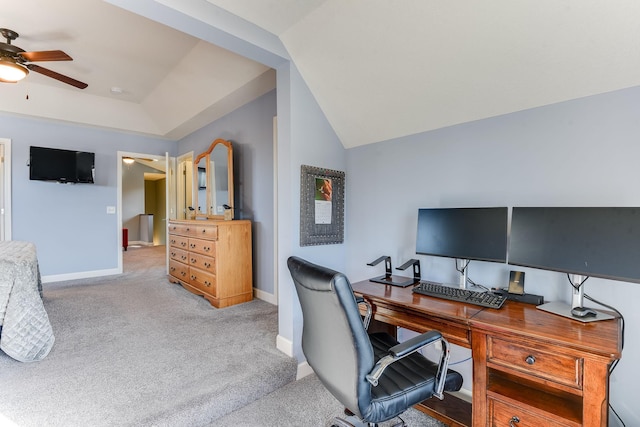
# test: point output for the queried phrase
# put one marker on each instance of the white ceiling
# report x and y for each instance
(379, 69)
(171, 83)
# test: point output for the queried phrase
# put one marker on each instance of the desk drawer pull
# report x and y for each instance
(530, 361)
(513, 421)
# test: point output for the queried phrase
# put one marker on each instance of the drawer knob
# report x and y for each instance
(530, 360)
(513, 421)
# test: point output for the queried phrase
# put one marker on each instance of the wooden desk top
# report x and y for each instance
(526, 321)
(401, 307)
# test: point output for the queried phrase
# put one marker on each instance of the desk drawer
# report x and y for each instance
(504, 414)
(540, 361)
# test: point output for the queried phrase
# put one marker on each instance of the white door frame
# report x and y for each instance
(5, 191)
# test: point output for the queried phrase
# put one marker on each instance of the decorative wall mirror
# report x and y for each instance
(213, 180)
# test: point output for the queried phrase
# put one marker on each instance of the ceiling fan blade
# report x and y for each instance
(57, 76)
(45, 55)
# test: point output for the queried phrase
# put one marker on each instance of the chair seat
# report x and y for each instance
(404, 383)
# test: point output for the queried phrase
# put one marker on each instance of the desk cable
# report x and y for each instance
(615, 362)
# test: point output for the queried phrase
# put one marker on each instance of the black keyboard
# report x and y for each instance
(437, 290)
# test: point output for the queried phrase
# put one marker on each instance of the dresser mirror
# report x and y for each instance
(213, 181)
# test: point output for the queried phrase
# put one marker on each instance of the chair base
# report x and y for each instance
(351, 420)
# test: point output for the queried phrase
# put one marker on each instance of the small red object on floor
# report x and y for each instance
(125, 238)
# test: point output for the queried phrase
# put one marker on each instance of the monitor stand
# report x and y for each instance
(388, 278)
(462, 266)
(562, 309)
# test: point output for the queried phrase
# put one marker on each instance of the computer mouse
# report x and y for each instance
(583, 312)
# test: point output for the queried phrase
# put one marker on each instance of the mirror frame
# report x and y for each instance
(207, 155)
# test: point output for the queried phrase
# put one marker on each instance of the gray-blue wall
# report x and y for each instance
(68, 222)
(577, 153)
(250, 129)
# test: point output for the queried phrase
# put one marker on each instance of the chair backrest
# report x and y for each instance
(334, 339)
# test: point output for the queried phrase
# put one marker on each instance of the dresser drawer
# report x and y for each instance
(179, 270)
(203, 262)
(182, 229)
(204, 231)
(178, 241)
(504, 414)
(203, 281)
(179, 255)
(205, 247)
(541, 361)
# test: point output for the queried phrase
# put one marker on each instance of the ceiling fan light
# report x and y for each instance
(11, 72)
(128, 160)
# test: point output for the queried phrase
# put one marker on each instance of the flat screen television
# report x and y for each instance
(586, 241)
(54, 164)
(463, 233)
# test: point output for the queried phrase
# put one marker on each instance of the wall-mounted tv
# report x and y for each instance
(67, 166)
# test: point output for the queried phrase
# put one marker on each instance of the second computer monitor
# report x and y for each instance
(463, 233)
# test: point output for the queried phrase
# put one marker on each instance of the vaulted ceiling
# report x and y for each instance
(379, 69)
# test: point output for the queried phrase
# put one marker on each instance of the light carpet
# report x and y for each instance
(136, 350)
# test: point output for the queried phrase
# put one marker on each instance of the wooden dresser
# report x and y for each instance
(212, 258)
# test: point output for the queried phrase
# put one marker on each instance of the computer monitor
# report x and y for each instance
(582, 241)
(463, 233)
(593, 241)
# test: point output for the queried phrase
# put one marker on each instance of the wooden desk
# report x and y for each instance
(529, 365)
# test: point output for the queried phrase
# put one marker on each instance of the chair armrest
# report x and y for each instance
(367, 317)
(410, 346)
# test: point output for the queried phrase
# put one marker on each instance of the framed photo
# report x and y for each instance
(321, 206)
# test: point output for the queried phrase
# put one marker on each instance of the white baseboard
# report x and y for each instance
(80, 275)
(284, 345)
(265, 296)
(304, 369)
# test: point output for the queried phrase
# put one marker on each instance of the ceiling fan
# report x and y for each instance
(15, 63)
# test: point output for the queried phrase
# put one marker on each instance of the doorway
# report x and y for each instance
(143, 200)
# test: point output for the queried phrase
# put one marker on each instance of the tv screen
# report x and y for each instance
(463, 233)
(53, 164)
(588, 241)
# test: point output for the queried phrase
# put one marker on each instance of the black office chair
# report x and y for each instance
(372, 375)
